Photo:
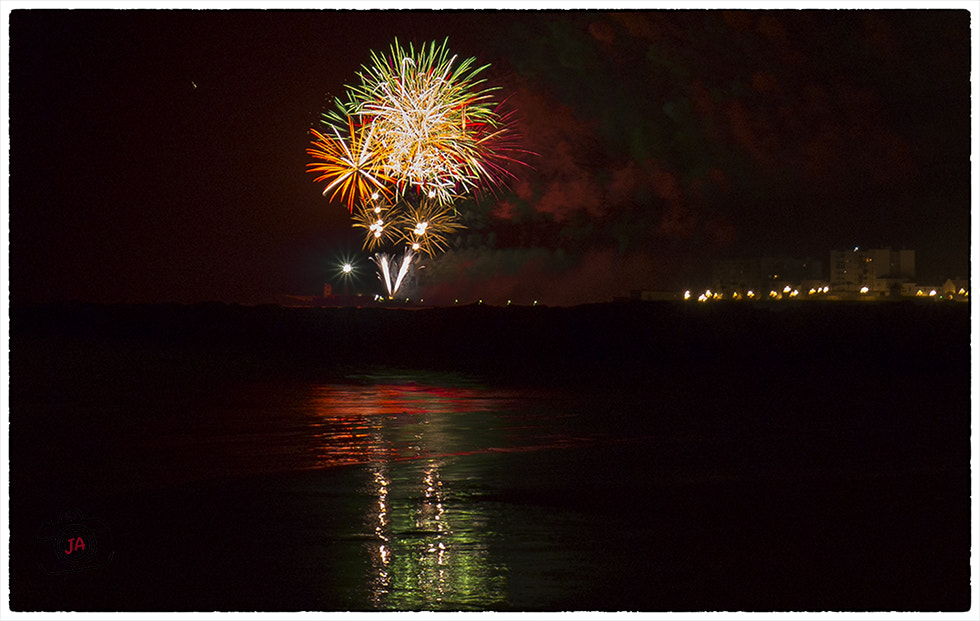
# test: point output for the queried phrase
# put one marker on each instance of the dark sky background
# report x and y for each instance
(160, 155)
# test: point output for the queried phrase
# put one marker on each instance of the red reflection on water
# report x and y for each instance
(385, 422)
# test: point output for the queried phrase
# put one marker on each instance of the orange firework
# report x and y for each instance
(353, 165)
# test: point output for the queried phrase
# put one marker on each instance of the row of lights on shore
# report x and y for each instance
(382, 299)
(509, 302)
(790, 292)
(752, 295)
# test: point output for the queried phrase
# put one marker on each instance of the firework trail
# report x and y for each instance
(384, 263)
(406, 262)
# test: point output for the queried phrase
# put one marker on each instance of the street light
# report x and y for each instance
(346, 269)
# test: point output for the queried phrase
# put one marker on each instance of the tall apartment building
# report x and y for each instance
(877, 269)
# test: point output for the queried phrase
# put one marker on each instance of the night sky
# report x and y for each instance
(159, 155)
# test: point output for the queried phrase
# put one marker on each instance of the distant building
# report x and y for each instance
(959, 286)
(876, 271)
(763, 274)
(655, 296)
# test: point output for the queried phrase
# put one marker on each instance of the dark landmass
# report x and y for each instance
(616, 344)
(876, 396)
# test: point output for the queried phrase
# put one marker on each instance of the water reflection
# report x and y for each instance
(364, 424)
(426, 540)
(426, 555)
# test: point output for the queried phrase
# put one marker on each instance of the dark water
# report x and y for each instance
(418, 489)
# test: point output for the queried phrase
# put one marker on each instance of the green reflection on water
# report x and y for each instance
(429, 552)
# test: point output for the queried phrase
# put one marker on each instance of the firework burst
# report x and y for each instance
(418, 132)
(425, 228)
(425, 122)
(375, 217)
(430, 109)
